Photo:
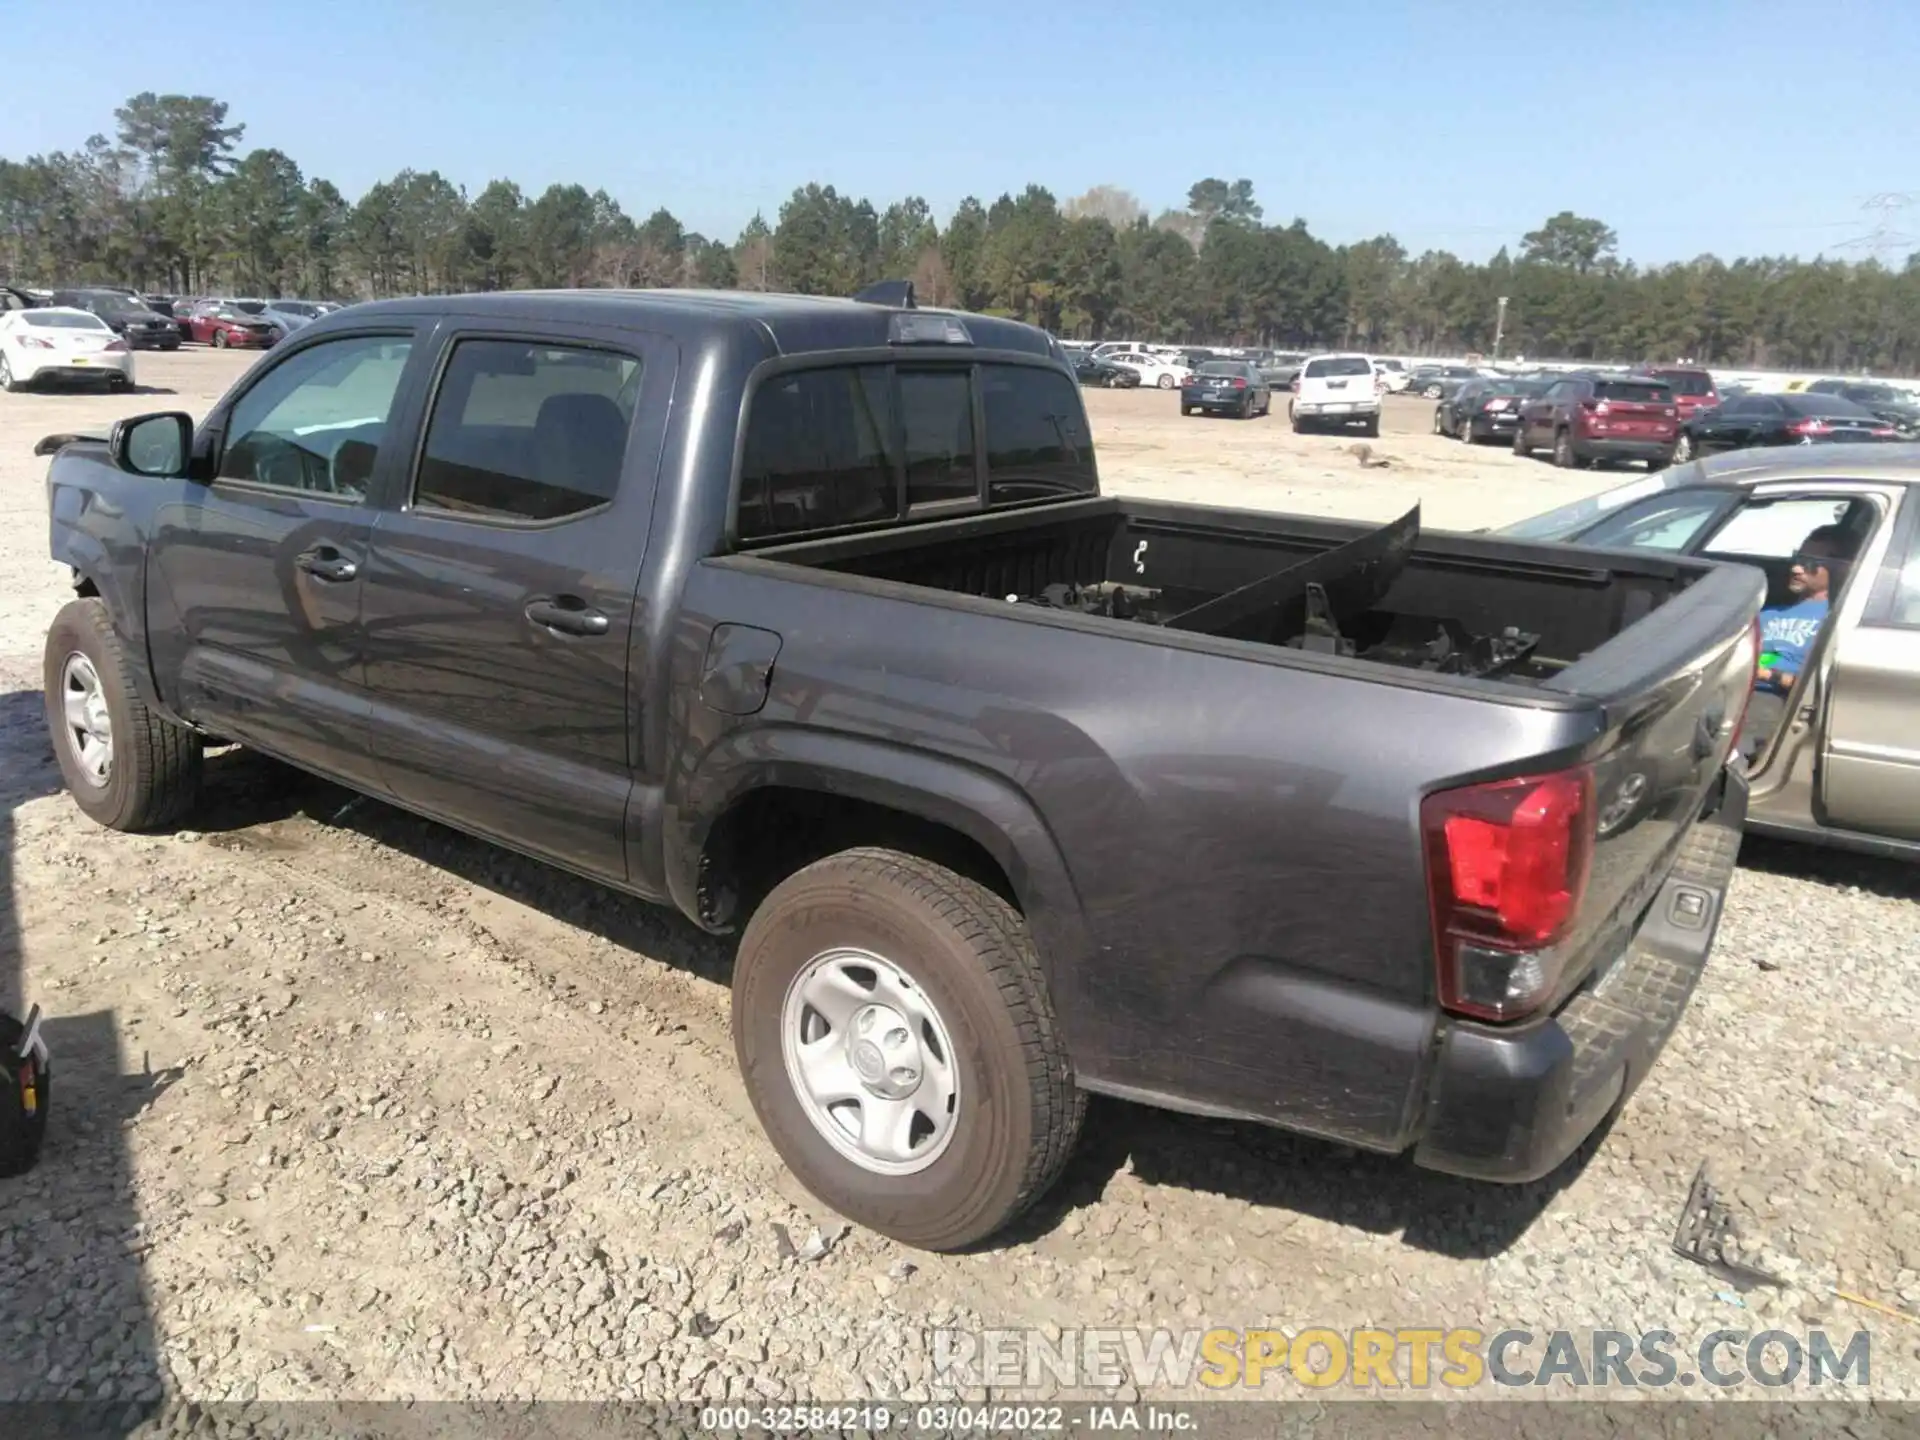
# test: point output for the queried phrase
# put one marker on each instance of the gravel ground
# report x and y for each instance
(352, 1107)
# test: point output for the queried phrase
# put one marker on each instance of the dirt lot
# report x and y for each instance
(350, 1106)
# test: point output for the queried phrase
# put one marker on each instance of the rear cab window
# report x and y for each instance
(838, 447)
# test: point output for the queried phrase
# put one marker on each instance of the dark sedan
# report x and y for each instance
(1484, 409)
(1439, 382)
(1803, 418)
(1282, 369)
(1227, 387)
(133, 322)
(1896, 407)
(1090, 370)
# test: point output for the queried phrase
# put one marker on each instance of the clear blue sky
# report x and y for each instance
(1688, 125)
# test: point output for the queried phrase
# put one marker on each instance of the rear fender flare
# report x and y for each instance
(977, 803)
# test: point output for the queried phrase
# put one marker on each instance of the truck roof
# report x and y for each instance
(797, 324)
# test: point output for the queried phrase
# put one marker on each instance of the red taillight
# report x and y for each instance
(1595, 407)
(116, 345)
(1883, 432)
(1239, 384)
(1507, 864)
(1809, 427)
(1189, 380)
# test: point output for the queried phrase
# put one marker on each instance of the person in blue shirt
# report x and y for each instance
(1788, 632)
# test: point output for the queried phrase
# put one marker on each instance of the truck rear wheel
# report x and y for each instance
(900, 1048)
(126, 767)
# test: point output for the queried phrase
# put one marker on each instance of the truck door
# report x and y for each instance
(499, 593)
(254, 593)
(1870, 748)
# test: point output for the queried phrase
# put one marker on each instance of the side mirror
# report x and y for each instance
(157, 445)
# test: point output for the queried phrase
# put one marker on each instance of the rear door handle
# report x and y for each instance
(326, 563)
(569, 615)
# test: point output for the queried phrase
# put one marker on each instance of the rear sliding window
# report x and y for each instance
(844, 446)
(1636, 392)
(1339, 365)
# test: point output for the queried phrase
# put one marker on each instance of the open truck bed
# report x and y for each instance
(1389, 595)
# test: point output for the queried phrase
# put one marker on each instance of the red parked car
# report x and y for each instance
(1692, 389)
(222, 326)
(1589, 418)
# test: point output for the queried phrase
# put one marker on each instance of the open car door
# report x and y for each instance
(1869, 775)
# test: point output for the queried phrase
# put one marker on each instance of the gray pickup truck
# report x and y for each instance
(808, 618)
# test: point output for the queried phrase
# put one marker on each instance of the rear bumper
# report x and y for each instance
(97, 368)
(1511, 1103)
(1239, 400)
(1336, 409)
(1599, 448)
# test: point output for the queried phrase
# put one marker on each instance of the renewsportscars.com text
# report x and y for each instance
(1456, 1358)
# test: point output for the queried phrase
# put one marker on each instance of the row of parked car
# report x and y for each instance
(1663, 415)
(86, 333)
(165, 322)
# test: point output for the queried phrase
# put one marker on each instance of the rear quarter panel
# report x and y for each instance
(1243, 925)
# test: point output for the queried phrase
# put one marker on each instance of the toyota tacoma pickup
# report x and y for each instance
(808, 618)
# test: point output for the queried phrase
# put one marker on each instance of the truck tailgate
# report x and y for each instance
(1673, 687)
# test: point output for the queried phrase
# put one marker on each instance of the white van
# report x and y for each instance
(1339, 390)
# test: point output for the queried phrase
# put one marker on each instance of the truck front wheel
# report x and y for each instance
(900, 1047)
(126, 767)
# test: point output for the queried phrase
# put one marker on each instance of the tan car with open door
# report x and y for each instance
(1843, 765)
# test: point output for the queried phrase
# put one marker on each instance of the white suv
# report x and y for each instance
(1337, 389)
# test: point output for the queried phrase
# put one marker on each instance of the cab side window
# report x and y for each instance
(315, 422)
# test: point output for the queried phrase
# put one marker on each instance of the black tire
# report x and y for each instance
(1439, 420)
(1432, 392)
(1563, 452)
(21, 1130)
(1520, 445)
(1372, 428)
(219, 339)
(1293, 419)
(969, 952)
(1186, 409)
(7, 382)
(1465, 433)
(153, 778)
(118, 382)
(1246, 408)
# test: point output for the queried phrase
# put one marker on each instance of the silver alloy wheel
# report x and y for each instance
(869, 1059)
(89, 729)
